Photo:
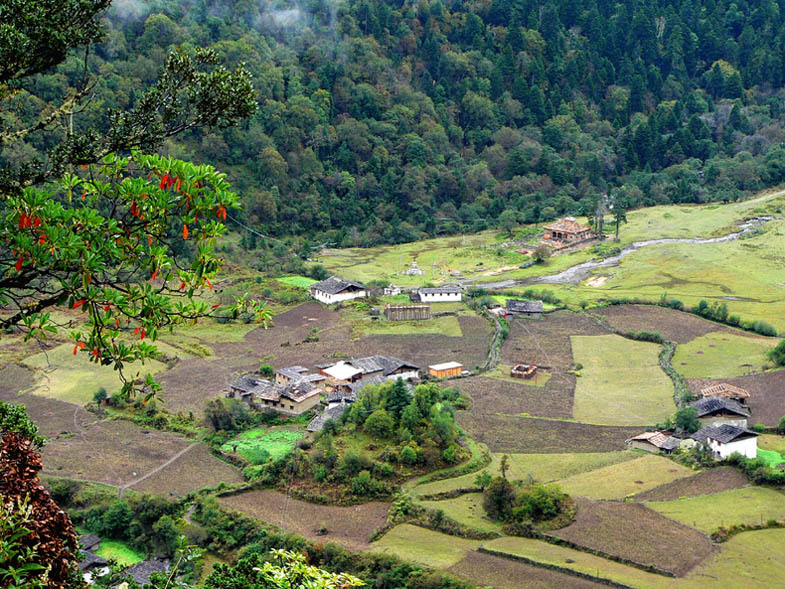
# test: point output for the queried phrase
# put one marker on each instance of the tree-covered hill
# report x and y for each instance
(385, 121)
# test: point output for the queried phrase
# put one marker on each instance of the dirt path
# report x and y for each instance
(761, 198)
(157, 469)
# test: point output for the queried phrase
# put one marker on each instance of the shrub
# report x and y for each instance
(764, 328)
(498, 499)
(687, 419)
(759, 427)
(100, 395)
(380, 424)
(409, 455)
(777, 355)
(266, 370)
(538, 503)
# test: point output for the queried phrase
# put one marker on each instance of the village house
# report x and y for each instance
(341, 373)
(386, 366)
(720, 410)
(297, 373)
(336, 290)
(654, 442)
(724, 440)
(524, 308)
(439, 294)
(391, 290)
(91, 566)
(565, 232)
(445, 369)
(142, 571)
(724, 389)
(293, 398)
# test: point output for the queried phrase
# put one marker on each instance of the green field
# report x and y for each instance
(276, 442)
(540, 467)
(424, 546)
(502, 372)
(748, 505)
(298, 281)
(621, 382)
(722, 355)
(576, 560)
(467, 510)
(66, 377)
(627, 478)
(770, 457)
(121, 552)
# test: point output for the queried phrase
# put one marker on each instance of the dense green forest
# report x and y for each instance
(389, 121)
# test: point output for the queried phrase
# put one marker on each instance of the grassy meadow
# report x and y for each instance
(120, 551)
(275, 442)
(466, 509)
(722, 355)
(424, 546)
(621, 382)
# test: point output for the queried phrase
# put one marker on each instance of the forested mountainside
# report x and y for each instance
(385, 121)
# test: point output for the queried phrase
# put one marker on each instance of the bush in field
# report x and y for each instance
(777, 355)
(266, 371)
(498, 499)
(380, 424)
(409, 455)
(538, 503)
(781, 426)
(256, 455)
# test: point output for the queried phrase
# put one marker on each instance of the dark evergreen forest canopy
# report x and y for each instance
(388, 121)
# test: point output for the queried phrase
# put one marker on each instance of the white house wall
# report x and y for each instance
(747, 447)
(440, 297)
(330, 299)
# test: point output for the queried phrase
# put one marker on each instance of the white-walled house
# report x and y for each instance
(441, 294)
(335, 290)
(720, 410)
(724, 440)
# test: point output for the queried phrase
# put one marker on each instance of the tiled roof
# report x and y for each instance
(334, 285)
(141, 571)
(89, 541)
(90, 560)
(247, 384)
(299, 391)
(387, 364)
(333, 411)
(568, 225)
(657, 439)
(710, 405)
(722, 433)
(356, 387)
(724, 389)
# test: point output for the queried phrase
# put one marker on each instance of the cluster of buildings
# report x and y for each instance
(723, 416)
(337, 290)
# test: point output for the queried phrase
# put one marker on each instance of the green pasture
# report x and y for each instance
(448, 326)
(298, 281)
(73, 378)
(502, 372)
(618, 481)
(772, 442)
(621, 382)
(722, 355)
(536, 467)
(753, 560)
(120, 551)
(424, 546)
(276, 442)
(770, 457)
(748, 505)
(467, 510)
(577, 560)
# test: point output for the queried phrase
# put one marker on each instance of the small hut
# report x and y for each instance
(524, 371)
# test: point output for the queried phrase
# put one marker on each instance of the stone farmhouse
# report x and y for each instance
(565, 232)
(729, 391)
(654, 442)
(293, 398)
(336, 290)
(438, 294)
(720, 410)
(724, 440)
(524, 308)
(297, 373)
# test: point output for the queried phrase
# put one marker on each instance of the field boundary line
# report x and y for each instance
(553, 567)
(157, 469)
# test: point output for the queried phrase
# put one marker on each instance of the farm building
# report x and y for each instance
(724, 389)
(445, 369)
(440, 294)
(91, 565)
(298, 373)
(654, 442)
(720, 410)
(335, 290)
(141, 571)
(565, 232)
(524, 308)
(340, 373)
(292, 398)
(245, 386)
(407, 312)
(391, 290)
(332, 411)
(724, 440)
(385, 366)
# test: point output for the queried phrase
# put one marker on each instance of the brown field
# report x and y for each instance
(493, 395)
(675, 326)
(110, 452)
(524, 435)
(637, 533)
(502, 573)
(708, 481)
(767, 394)
(14, 379)
(194, 470)
(53, 417)
(347, 526)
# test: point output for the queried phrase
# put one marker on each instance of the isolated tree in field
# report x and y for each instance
(542, 254)
(126, 240)
(619, 210)
(508, 221)
(687, 419)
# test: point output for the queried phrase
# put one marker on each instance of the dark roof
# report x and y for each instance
(722, 433)
(141, 571)
(514, 306)
(89, 542)
(91, 560)
(334, 285)
(386, 364)
(299, 390)
(247, 384)
(338, 395)
(451, 289)
(292, 371)
(710, 405)
(357, 386)
(333, 411)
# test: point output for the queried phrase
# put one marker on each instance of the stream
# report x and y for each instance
(580, 272)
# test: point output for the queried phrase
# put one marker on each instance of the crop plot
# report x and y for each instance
(749, 505)
(674, 326)
(708, 481)
(621, 382)
(636, 533)
(627, 478)
(407, 541)
(273, 443)
(493, 395)
(722, 355)
(348, 526)
(14, 379)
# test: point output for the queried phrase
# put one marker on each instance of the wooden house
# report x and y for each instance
(407, 312)
(445, 369)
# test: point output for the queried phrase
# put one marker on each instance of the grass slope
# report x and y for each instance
(424, 546)
(627, 478)
(748, 505)
(722, 355)
(120, 551)
(466, 509)
(277, 442)
(621, 382)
